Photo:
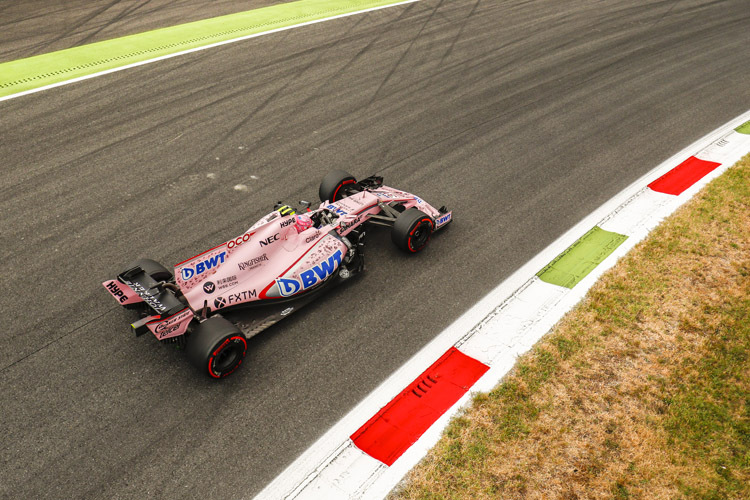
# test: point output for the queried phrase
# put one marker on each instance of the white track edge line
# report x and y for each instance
(196, 49)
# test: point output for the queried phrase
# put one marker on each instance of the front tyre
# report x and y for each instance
(412, 229)
(333, 186)
(216, 347)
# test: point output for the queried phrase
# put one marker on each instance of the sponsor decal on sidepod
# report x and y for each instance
(234, 298)
(252, 263)
(201, 267)
(311, 277)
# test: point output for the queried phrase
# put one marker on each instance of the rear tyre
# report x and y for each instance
(333, 186)
(216, 347)
(412, 229)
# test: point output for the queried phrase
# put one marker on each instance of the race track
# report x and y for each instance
(521, 116)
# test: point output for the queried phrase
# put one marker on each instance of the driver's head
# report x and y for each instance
(302, 222)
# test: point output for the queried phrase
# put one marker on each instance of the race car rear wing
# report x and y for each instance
(159, 296)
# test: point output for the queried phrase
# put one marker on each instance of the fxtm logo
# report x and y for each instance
(311, 277)
(269, 240)
(201, 267)
(235, 298)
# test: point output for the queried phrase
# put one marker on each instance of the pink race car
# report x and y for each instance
(273, 269)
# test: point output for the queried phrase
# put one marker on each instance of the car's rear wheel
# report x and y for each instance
(333, 186)
(216, 347)
(412, 229)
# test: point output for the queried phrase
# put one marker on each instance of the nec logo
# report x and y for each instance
(311, 277)
(269, 240)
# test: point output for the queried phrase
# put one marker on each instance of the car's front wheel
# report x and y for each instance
(333, 187)
(412, 229)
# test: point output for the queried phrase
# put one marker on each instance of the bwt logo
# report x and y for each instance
(442, 220)
(336, 209)
(201, 267)
(311, 277)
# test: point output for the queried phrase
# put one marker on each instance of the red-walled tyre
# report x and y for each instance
(412, 229)
(216, 347)
(333, 186)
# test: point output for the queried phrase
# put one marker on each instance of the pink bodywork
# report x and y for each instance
(173, 326)
(162, 328)
(121, 292)
(272, 260)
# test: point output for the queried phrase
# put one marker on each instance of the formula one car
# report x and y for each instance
(281, 263)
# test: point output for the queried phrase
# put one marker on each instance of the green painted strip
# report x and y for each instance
(55, 67)
(744, 128)
(580, 258)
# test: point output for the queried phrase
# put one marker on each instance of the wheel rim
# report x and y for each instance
(419, 237)
(227, 358)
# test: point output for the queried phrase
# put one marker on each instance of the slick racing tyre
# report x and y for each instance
(332, 188)
(153, 269)
(216, 347)
(412, 229)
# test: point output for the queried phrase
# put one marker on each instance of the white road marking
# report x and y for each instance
(196, 49)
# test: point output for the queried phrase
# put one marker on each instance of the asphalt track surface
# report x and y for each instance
(521, 116)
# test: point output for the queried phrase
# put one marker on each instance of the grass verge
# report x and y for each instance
(642, 391)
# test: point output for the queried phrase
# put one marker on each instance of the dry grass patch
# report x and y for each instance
(642, 391)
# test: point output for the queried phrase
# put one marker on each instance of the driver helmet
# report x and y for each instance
(302, 222)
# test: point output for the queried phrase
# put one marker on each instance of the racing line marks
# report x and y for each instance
(44, 71)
